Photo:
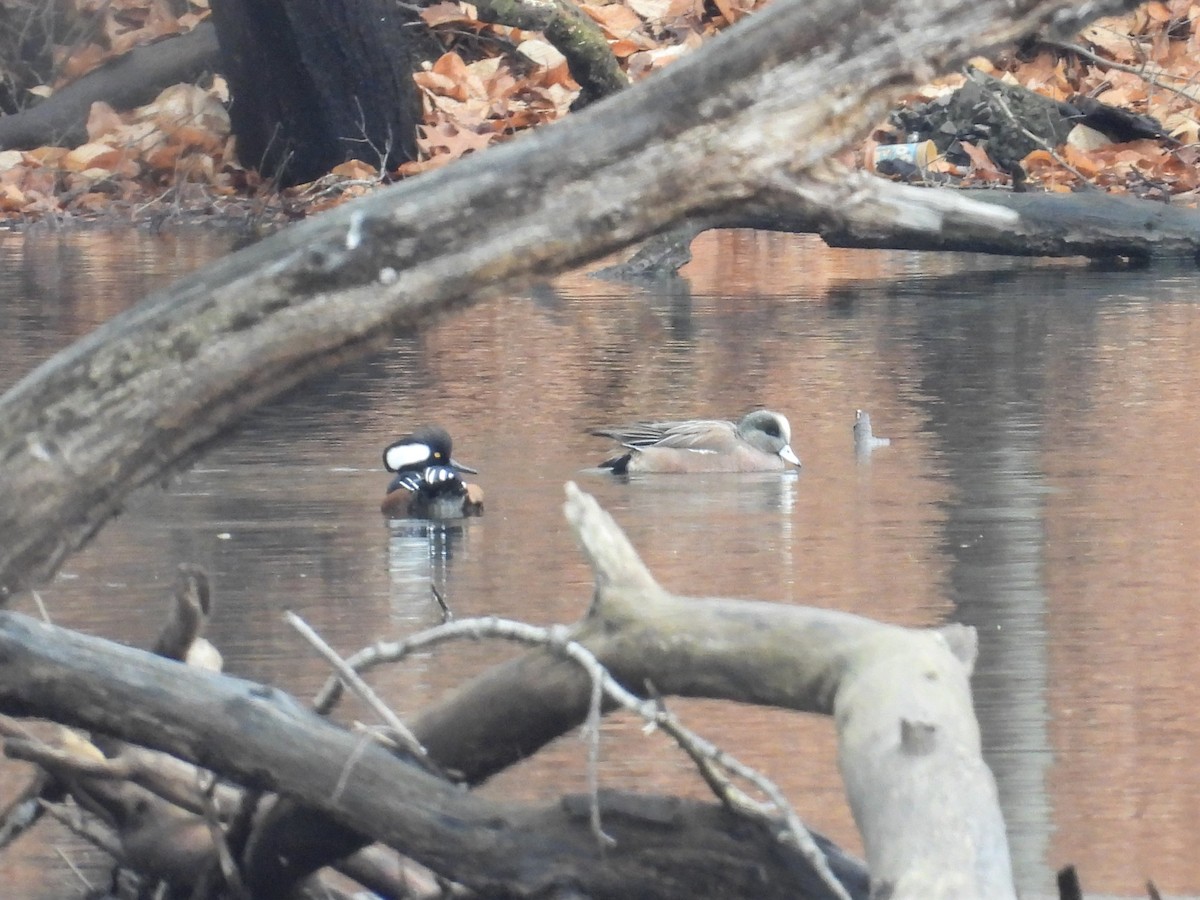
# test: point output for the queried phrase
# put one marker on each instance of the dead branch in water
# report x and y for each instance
(909, 749)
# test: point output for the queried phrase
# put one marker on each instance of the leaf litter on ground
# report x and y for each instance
(495, 81)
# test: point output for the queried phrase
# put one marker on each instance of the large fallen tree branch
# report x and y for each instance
(908, 743)
(739, 124)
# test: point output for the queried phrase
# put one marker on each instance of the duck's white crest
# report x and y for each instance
(402, 455)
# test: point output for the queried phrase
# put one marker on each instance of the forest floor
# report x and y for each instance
(174, 159)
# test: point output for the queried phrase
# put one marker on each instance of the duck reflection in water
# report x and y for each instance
(420, 554)
(428, 483)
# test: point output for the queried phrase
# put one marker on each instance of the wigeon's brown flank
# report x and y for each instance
(759, 442)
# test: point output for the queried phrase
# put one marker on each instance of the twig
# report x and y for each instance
(382, 154)
(1140, 71)
(41, 607)
(344, 776)
(558, 638)
(447, 613)
(350, 677)
(225, 859)
(74, 868)
(591, 733)
(94, 834)
(164, 776)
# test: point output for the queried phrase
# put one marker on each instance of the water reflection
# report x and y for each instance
(420, 554)
(983, 387)
(1039, 485)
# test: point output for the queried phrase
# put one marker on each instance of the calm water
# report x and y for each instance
(1040, 485)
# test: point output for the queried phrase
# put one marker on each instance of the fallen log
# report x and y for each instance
(130, 80)
(909, 744)
(264, 740)
(1094, 225)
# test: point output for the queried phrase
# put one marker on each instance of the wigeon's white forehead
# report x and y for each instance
(785, 429)
(401, 455)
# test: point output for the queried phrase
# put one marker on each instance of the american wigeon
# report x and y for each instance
(864, 439)
(427, 483)
(759, 442)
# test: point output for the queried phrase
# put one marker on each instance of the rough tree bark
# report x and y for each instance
(909, 745)
(278, 80)
(575, 36)
(743, 124)
(317, 82)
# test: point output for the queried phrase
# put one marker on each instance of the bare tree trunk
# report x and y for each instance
(317, 82)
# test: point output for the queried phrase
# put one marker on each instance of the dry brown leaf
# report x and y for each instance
(615, 21)
(450, 65)
(504, 85)
(1117, 44)
(448, 138)
(138, 136)
(981, 164)
(1183, 127)
(12, 198)
(623, 48)
(651, 10)
(164, 158)
(356, 169)
(1084, 162)
(1184, 177)
(1158, 11)
(88, 177)
(46, 156)
(94, 201)
(541, 52)
(418, 167)
(191, 138)
(440, 85)
(77, 61)
(91, 156)
(185, 105)
(102, 119)
(445, 13)
(1038, 158)
(481, 74)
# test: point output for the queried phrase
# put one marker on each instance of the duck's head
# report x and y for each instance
(770, 432)
(427, 446)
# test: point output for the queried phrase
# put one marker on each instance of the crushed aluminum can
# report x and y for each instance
(919, 155)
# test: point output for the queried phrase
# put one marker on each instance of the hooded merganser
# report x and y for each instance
(759, 442)
(427, 483)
